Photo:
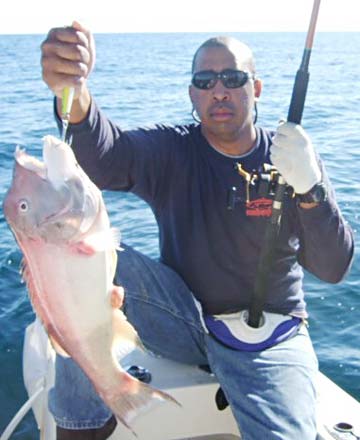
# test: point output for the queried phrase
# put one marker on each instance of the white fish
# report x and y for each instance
(60, 222)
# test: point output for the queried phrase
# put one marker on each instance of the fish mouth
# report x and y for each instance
(68, 216)
(63, 210)
(30, 163)
(62, 225)
(56, 217)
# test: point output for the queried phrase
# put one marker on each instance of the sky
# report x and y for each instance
(38, 16)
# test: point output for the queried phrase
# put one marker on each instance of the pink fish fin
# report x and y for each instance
(125, 336)
(57, 347)
(97, 242)
(83, 248)
(33, 291)
(25, 271)
(23, 266)
(133, 398)
(39, 307)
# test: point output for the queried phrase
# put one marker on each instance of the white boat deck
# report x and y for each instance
(198, 417)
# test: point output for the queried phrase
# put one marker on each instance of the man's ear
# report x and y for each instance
(257, 88)
(191, 94)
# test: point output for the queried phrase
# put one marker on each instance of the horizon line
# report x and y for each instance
(100, 32)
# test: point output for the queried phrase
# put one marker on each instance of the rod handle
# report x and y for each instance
(298, 96)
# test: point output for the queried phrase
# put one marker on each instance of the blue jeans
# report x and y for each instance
(271, 393)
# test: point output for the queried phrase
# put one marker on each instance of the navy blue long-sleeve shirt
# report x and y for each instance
(214, 249)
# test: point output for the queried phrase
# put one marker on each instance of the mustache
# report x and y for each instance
(221, 106)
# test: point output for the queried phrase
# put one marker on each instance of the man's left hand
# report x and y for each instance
(292, 153)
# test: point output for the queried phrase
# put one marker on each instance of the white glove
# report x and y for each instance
(292, 153)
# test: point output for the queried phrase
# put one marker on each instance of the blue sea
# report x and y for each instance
(141, 79)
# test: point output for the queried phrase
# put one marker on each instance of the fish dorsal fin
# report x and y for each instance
(57, 347)
(36, 303)
(29, 281)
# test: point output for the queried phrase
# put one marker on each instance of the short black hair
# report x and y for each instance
(223, 42)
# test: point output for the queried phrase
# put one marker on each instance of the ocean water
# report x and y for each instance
(141, 79)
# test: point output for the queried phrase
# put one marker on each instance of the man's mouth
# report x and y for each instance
(221, 113)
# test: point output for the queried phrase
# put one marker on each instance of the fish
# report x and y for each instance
(59, 220)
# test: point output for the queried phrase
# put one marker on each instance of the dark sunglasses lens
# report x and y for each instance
(233, 79)
(204, 80)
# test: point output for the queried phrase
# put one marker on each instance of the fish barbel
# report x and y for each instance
(60, 222)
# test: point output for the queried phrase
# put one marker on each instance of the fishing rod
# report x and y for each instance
(272, 230)
(302, 75)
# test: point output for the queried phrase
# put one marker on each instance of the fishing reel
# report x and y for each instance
(263, 185)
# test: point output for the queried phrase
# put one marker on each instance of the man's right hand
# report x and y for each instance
(67, 59)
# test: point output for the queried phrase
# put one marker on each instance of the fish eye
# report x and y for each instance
(23, 206)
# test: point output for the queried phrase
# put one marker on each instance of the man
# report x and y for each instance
(209, 248)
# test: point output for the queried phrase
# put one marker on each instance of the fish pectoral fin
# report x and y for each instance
(97, 242)
(83, 248)
(57, 347)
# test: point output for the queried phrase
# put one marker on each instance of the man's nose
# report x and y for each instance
(220, 92)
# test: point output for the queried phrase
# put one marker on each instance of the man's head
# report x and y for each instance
(224, 87)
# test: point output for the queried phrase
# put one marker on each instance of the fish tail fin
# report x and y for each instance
(134, 398)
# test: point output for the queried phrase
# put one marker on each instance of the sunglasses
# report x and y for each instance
(230, 78)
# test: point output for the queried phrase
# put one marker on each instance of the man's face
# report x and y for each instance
(224, 111)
